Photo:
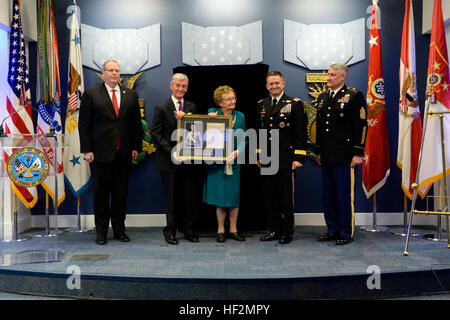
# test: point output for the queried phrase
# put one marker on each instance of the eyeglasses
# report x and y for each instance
(229, 99)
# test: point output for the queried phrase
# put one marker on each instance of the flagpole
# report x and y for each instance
(438, 236)
(440, 100)
(47, 220)
(402, 232)
(415, 186)
(79, 229)
(374, 227)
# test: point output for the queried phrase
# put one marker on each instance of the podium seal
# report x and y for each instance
(28, 167)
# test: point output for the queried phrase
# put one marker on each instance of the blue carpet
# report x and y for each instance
(147, 267)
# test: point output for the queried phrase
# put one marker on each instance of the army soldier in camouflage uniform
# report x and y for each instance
(341, 134)
(285, 114)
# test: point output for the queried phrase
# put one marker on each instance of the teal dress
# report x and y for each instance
(220, 189)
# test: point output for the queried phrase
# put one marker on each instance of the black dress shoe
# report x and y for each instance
(328, 237)
(344, 241)
(122, 237)
(191, 237)
(220, 237)
(171, 240)
(271, 236)
(285, 239)
(235, 236)
(101, 239)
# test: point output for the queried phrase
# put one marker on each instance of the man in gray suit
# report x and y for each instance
(181, 205)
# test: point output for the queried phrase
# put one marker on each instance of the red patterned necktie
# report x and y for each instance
(116, 108)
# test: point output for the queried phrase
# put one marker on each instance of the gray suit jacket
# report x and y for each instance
(163, 124)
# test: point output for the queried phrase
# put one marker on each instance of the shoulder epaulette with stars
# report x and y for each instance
(296, 99)
(352, 89)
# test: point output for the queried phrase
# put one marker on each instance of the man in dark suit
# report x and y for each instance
(341, 135)
(285, 116)
(110, 137)
(181, 203)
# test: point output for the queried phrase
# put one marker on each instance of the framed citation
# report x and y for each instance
(200, 137)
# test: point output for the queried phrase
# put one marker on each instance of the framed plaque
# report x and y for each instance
(200, 137)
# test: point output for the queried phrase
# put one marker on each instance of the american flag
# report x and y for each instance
(18, 97)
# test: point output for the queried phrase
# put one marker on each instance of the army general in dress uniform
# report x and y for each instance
(341, 134)
(283, 117)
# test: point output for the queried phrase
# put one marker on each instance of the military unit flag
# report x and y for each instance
(376, 165)
(49, 116)
(437, 100)
(409, 119)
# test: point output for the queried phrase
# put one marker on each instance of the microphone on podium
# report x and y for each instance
(2, 129)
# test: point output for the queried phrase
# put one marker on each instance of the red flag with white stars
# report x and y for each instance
(376, 153)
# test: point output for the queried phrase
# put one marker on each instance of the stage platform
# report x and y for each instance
(148, 268)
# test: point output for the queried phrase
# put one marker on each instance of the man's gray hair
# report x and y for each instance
(339, 66)
(179, 76)
(108, 61)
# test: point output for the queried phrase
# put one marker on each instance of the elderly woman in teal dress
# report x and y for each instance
(222, 187)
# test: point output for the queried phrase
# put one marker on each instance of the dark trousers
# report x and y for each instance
(278, 200)
(181, 202)
(110, 184)
(338, 199)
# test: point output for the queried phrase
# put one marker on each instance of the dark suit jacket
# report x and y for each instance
(164, 123)
(99, 126)
(341, 126)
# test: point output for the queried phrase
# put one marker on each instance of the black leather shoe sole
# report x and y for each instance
(270, 237)
(172, 240)
(101, 240)
(122, 238)
(342, 242)
(285, 239)
(327, 237)
(191, 238)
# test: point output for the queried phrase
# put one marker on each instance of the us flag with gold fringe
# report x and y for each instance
(18, 96)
